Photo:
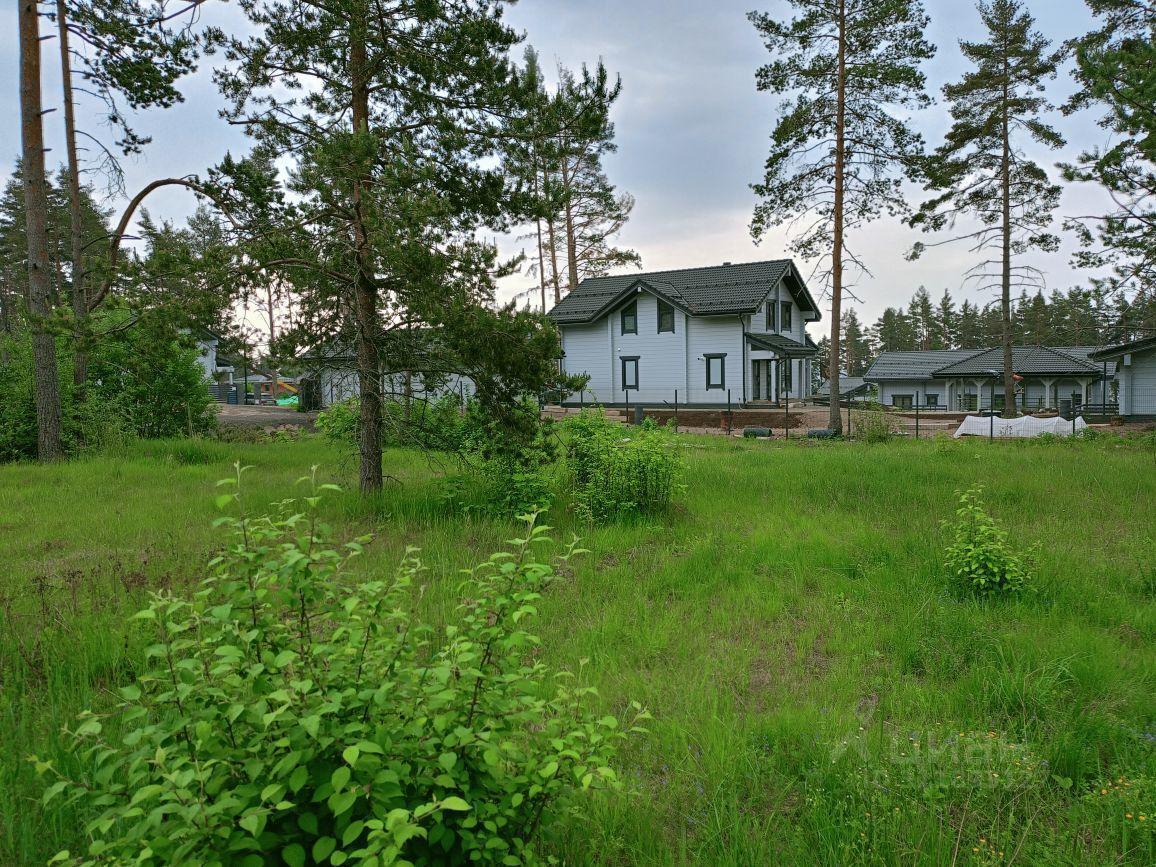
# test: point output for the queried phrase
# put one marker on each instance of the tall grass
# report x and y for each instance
(796, 602)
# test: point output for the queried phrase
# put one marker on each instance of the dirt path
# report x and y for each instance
(264, 416)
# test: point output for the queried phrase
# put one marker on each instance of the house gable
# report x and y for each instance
(711, 291)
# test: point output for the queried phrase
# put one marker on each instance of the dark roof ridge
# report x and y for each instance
(693, 268)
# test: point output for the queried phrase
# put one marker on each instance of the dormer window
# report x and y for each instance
(665, 317)
(785, 319)
(630, 318)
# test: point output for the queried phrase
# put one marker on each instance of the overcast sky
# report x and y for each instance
(692, 130)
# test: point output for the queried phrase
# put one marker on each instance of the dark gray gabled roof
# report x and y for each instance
(847, 385)
(914, 365)
(782, 345)
(1026, 360)
(1110, 352)
(709, 291)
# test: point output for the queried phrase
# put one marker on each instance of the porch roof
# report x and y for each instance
(781, 345)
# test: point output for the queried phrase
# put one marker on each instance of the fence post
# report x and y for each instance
(730, 418)
(787, 419)
(676, 410)
(991, 414)
(848, 418)
(917, 419)
(626, 391)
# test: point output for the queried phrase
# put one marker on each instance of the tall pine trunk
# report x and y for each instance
(541, 252)
(571, 237)
(365, 287)
(1009, 383)
(552, 243)
(835, 419)
(46, 384)
(76, 213)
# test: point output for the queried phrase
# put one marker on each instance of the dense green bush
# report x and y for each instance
(286, 715)
(144, 381)
(508, 472)
(621, 470)
(979, 560)
(338, 421)
(437, 425)
(871, 423)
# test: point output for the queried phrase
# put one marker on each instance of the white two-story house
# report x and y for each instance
(710, 337)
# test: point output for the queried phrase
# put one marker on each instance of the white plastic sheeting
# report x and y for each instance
(1027, 426)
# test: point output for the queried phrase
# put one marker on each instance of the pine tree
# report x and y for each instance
(592, 213)
(855, 346)
(839, 150)
(391, 133)
(132, 51)
(981, 170)
(1116, 68)
(946, 322)
(921, 313)
(970, 332)
(558, 151)
(46, 385)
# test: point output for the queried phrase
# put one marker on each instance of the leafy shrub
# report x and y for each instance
(874, 425)
(508, 472)
(979, 560)
(620, 471)
(286, 716)
(143, 381)
(339, 420)
(437, 424)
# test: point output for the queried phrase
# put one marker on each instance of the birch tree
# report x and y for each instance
(841, 146)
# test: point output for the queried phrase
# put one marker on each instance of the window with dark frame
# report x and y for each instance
(665, 317)
(630, 372)
(931, 400)
(716, 371)
(785, 318)
(772, 318)
(630, 318)
(902, 401)
(786, 368)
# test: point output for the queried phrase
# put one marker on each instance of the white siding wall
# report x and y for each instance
(761, 322)
(662, 358)
(1143, 376)
(715, 334)
(337, 385)
(920, 387)
(207, 357)
(588, 351)
(598, 349)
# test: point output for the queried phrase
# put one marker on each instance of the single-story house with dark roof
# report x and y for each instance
(724, 334)
(1133, 364)
(961, 379)
(333, 377)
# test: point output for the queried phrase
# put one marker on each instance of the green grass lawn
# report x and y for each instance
(789, 627)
